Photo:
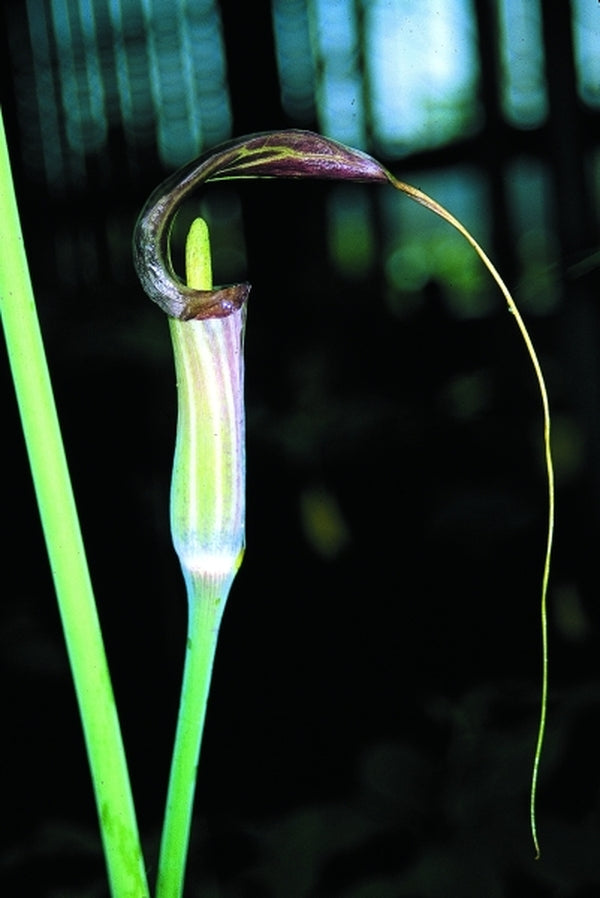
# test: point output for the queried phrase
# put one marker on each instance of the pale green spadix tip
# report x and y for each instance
(197, 256)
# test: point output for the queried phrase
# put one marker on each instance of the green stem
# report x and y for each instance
(205, 614)
(66, 553)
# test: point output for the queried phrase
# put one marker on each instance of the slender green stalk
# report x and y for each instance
(203, 630)
(66, 553)
(207, 523)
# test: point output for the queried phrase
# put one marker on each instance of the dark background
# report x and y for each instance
(376, 692)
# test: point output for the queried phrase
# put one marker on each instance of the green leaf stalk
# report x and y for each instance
(66, 553)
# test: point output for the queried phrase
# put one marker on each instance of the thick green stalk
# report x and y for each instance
(66, 553)
(207, 523)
